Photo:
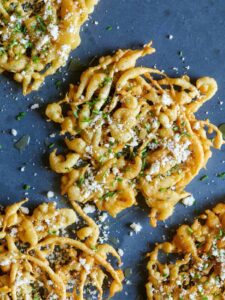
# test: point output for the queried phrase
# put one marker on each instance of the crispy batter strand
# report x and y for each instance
(37, 36)
(198, 269)
(38, 259)
(132, 129)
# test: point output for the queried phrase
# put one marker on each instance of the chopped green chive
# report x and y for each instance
(35, 59)
(85, 119)
(155, 141)
(58, 84)
(185, 133)
(220, 234)
(222, 129)
(148, 127)
(204, 177)
(105, 82)
(108, 195)
(163, 189)
(189, 230)
(119, 179)
(20, 116)
(96, 112)
(51, 145)
(75, 113)
(26, 187)
(105, 115)
(80, 181)
(94, 248)
(109, 28)
(40, 24)
(221, 175)
(52, 231)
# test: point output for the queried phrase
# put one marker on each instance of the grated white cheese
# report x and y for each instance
(166, 99)
(120, 252)
(189, 200)
(136, 227)
(14, 132)
(50, 194)
(34, 106)
(54, 31)
(89, 209)
(103, 217)
(25, 210)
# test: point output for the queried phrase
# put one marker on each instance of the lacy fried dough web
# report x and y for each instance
(199, 269)
(38, 259)
(132, 129)
(37, 36)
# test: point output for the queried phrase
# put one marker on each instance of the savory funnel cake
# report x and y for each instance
(132, 129)
(36, 36)
(196, 269)
(38, 259)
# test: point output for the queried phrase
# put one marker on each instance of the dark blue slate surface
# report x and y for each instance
(198, 28)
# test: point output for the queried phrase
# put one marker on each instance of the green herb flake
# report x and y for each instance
(94, 248)
(19, 28)
(119, 179)
(148, 127)
(35, 59)
(109, 28)
(204, 177)
(205, 298)
(40, 24)
(80, 181)
(222, 129)
(128, 272)
(75, 113)
(93, 102)
(108, 195)
(105, 82)
(51, 145)
(26, 187)
(86, 120)
(96, 112)
(58, 84)
(20, 116)
(221, 175)
(53, 232)
(155, 141)
(220, 234)
(189, 230)
(163, 189)
(185, 133)
(105, 115)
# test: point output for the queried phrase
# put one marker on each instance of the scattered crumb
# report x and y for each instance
(35, 106)
(50, 194)
(136, 227)
(120, 252)
(24, 210)
(188, 201)
(14, 132)
(89, 209)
